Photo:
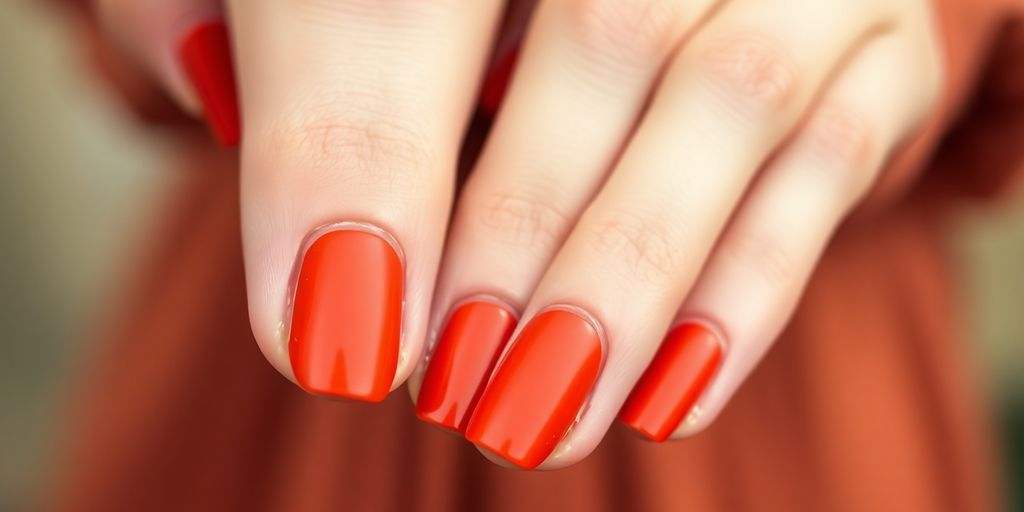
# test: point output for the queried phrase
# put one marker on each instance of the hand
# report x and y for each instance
(656, 163)
(352, 118)
(663, 173)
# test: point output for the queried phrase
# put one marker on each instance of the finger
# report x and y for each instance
(354, 115)
(751, 284)
(184, 44)
(729, 98)
(586, 69)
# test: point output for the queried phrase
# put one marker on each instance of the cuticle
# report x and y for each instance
(487, 297)
(717, 328)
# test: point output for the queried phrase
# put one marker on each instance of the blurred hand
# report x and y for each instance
(658, 166)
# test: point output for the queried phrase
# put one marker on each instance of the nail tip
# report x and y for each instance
(444, 422)
(477, 435)
(524, 463)
(648, 434)
(373, 396)
(441, 424)
(347, 396)
(225, 141)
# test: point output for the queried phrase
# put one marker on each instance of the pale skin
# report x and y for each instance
(653, 161)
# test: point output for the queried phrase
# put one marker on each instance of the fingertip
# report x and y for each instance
(643, 432)
(274, 348)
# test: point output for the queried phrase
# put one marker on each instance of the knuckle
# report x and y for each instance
(350, 146)
(841, 136)
(845, 147)
(749, 70)
(521, 218)
(626, 31)
(762, 256)
(645, 249)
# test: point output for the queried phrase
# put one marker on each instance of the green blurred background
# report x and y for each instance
(77, 186)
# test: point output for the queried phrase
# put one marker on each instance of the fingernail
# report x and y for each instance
(465, 355)
(205, 54)
(676, 378)
(496, 82)
(347, 316)
(539, 388)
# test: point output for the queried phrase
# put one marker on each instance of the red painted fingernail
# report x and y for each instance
(496, 82)
(463, 360)
(347, 316)
(676, 378)
(205, 54)
(539, 388)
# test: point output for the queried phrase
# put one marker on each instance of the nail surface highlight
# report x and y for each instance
(347, 316)
(674, 381)
(539, 388)
(466, 353)
(205, 53)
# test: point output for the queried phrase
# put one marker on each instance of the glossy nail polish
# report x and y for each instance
(205, 53)
(539, 388)
(675, 379)
(466, 353)
(347, 316)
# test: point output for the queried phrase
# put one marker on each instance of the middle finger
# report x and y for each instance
(586, 70)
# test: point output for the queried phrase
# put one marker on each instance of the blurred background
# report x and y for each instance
(78, 183)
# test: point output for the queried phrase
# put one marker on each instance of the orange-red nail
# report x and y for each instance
(538, 389)
(465, 355)
(676, 378)
(205, 53)
(347, 316)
